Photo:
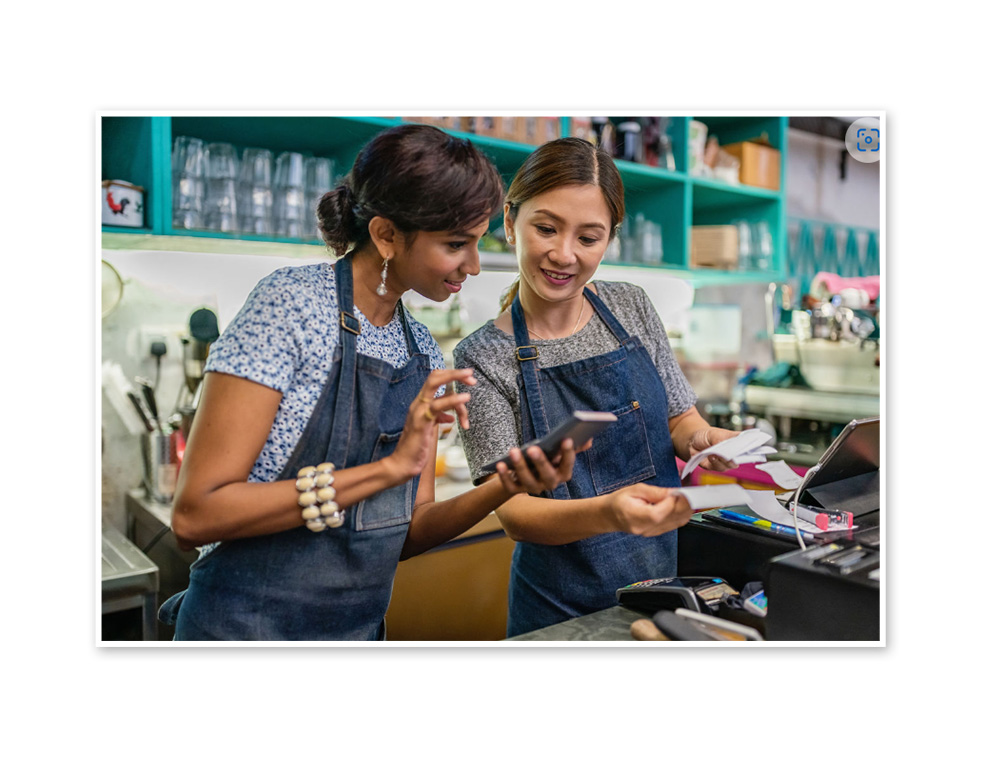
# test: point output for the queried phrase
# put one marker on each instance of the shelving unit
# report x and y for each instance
(137, 149)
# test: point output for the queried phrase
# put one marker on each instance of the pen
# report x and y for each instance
(761, 523)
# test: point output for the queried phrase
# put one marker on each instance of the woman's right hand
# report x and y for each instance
(646, 510)
(425, 413)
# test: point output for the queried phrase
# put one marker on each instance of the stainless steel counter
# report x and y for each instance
(793, 402)
(129, 579)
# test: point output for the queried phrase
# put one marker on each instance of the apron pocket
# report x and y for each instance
(620, 455)
(391, 507)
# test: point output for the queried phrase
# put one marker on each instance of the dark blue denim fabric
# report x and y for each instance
(336, 584)
(552, 583)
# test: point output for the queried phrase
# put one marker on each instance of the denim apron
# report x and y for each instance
(553, 583)
(335, 584)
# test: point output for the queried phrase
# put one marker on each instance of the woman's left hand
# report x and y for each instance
(706, 437)
(543, 475)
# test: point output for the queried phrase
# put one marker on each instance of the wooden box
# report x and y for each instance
(715, 246)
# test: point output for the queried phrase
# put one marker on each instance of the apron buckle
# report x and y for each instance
(347, 319)
(533, 355)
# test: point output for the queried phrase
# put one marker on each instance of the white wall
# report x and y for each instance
(816, 190)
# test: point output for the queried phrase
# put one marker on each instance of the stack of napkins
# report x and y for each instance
(750, 446)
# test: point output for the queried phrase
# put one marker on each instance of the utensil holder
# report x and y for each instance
(160, 465)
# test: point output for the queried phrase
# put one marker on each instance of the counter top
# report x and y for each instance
(612, 624)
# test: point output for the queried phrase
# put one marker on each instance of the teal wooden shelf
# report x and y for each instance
(715, 193)
(137, 148)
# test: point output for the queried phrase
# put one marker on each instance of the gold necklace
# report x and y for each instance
(579, 318)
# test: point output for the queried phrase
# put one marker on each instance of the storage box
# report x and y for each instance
(714, 246)
(760, 165)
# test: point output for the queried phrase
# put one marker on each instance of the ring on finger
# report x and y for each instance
(428, 415)
(421, 398)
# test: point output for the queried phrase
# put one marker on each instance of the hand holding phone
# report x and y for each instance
(581, 427)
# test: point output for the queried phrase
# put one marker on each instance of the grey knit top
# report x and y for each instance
(494, 409)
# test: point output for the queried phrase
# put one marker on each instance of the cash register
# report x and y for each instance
(830, 589)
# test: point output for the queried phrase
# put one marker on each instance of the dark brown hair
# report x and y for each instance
(561, 163)
(418, 177)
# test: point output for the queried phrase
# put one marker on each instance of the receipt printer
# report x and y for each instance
(828, 592)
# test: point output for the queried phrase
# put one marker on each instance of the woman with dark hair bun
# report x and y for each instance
(563, 343)
(309, 471)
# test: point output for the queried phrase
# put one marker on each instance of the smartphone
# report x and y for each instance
(756, 604)
(581, 426)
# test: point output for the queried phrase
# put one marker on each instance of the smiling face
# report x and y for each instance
(560, 237)
(436, 263)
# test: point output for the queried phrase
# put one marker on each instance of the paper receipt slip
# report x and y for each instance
(713, 496)
(750, 446)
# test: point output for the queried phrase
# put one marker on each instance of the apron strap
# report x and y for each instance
(607, 317)
(350, 328)
(527, 355)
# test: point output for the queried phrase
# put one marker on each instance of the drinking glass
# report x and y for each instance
(188, 183)
(255, 191)
(221, 172)
(288, 195)
(318, 179)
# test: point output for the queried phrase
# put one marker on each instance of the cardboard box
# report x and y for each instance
(760, 165)
(715, 246)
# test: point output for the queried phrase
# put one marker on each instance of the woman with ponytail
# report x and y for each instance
(309, 470)
(563, 343)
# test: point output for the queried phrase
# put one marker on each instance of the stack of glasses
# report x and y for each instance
(221, 175)
(214, 190)
(188, 182)
(255, 193)
(288, 195)
(318, 178)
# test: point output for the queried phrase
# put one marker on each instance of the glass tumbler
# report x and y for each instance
(318, 179)
(188, 183)
(288, 195)
(221, 173)
(255, 191)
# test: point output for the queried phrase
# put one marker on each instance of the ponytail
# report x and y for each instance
(510, 294)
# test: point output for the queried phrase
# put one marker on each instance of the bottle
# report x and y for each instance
(744, 248)
(629, 141)
(765, 247)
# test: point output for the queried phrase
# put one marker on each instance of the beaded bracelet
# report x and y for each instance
(317, 497)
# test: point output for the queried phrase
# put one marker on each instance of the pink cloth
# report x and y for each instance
(835, 284)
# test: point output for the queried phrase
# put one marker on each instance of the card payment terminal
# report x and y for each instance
(698, 593)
